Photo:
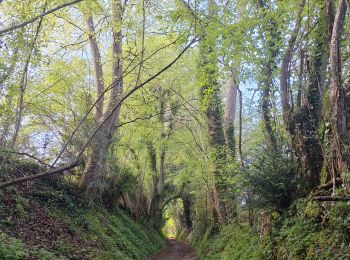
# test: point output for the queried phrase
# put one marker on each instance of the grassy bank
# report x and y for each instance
(47, 220)
(308, 230)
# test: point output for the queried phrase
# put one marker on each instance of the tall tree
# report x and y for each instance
(93, 173)
(230, 110)
(339, 154)
(270, 34)
(211, 103)
(302, 120)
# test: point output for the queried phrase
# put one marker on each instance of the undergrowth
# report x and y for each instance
(307, 230)
(47, 220)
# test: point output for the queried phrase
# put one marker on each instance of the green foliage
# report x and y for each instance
(121, 237)
(295, 236)
(272, 177)
(43, 254)
(232, 242)
(300, 234)
(11, 248)
(233, 35)
(118, 181)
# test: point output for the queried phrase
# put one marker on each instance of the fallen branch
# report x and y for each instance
(332, 198)
(41, 175)
(329, 184)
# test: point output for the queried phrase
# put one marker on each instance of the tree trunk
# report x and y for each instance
(158, 178)
(340, 141)
(230, 111)
(302, 122)
(187, 205)
(97, 63)
(92, 178)
(211, 104)
(155, 202)
(267, 84)
(23, 86)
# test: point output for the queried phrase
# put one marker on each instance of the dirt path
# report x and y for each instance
(175, 251)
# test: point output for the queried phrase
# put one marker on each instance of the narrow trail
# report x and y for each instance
(175, 251)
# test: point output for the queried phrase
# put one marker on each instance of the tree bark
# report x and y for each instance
(211, 104)
(92, 178)
(23, 85)
(97, 63)
(187, 205)
(302, 122)
(230, 111)
(340, 142)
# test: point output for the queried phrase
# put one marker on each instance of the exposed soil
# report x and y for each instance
(175, 251)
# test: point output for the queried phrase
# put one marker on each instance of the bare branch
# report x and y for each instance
(15, 27)
(26, 154)
(41, 175)
(101, 96)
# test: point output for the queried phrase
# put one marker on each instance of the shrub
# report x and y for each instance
(117, 182)
(272, 178)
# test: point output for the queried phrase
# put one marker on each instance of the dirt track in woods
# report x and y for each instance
(175, 251)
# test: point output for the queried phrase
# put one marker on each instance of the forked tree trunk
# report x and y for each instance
(94, 170)
(97, 63)
(158, 178)
(302, 122)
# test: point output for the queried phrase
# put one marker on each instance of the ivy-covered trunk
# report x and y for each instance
(302, 119)
(211, 104)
